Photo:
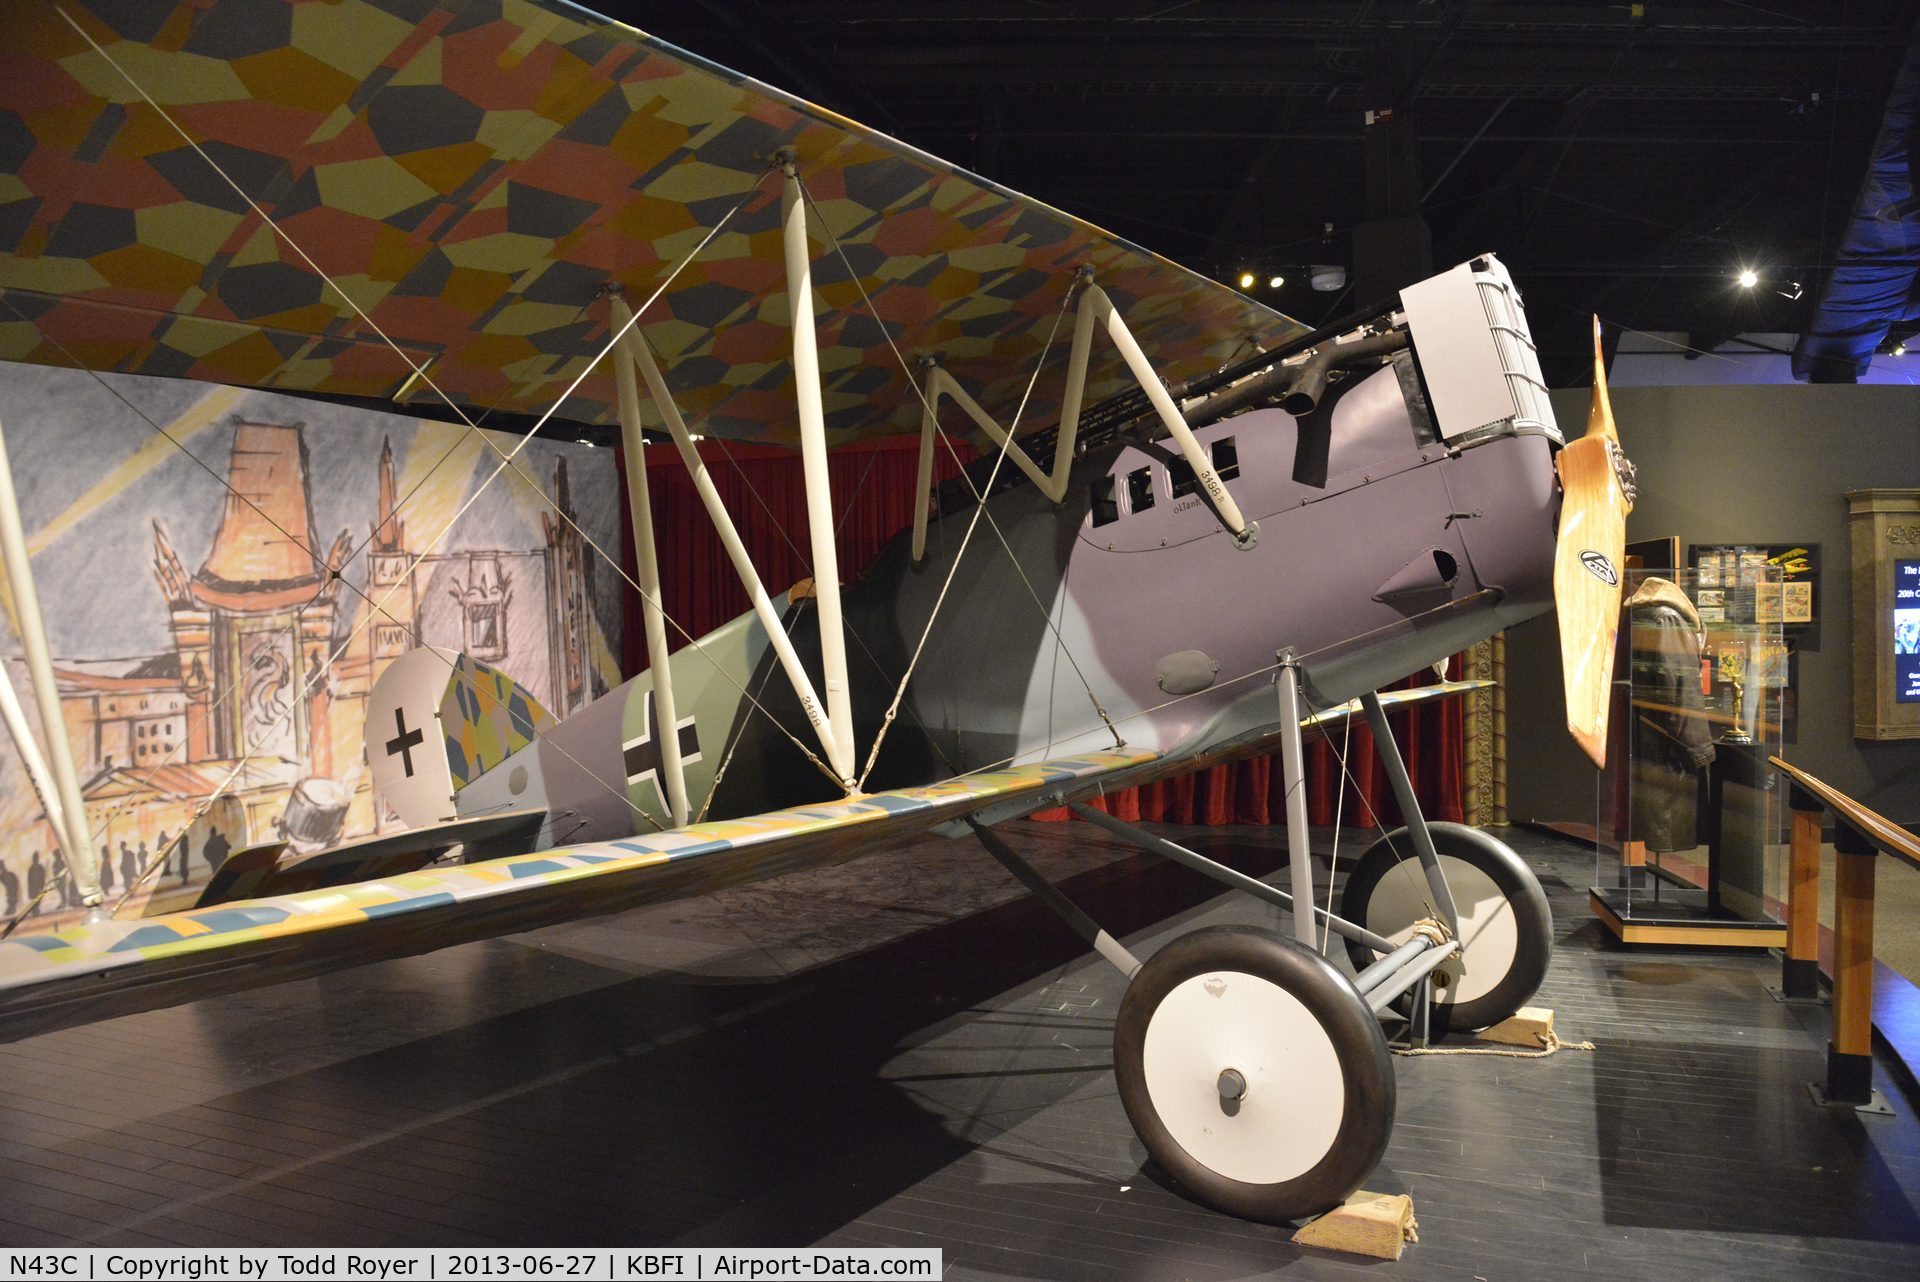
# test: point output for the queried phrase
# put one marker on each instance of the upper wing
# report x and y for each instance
(472, 179)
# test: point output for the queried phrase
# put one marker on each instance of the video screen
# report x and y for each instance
(1906, 631)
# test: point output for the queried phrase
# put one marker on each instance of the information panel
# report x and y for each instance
(1906, 631)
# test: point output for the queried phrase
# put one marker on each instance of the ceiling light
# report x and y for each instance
(1246, 280)
(1749, 278)
(1276, 282)
(1900, 349)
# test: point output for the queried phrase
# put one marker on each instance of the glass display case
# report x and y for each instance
(1690, 838)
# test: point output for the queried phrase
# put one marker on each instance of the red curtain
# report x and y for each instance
(875, 488)
(1432, 740)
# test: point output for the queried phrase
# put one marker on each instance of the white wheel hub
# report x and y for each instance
(1288, 1115)
(1489, 935)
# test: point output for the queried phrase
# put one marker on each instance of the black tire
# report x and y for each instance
(1503, 913)
(1319, 1096)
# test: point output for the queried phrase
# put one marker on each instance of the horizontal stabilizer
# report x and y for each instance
(258, 871)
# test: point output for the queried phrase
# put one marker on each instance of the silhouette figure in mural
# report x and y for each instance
(36, 881)
(106, 869)
(129, 867)
(10, 883)
(218, 848)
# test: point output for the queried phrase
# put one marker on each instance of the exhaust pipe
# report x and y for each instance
(1310, 378)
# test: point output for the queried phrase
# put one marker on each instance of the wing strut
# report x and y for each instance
(813, 464)
(66, 812)
(634, 348)
(673, 771)
(1095, 308)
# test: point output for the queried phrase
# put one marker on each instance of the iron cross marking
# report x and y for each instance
(643, 754)
(405, 742)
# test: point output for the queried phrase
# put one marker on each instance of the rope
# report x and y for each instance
(1549, 1041)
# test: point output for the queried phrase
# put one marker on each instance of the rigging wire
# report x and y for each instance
(979, 495)
(378, 607)
(933, 615)
(1339, 808)
(420, 371)
(165, 852)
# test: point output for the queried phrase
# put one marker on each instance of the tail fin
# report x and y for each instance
(451, 718)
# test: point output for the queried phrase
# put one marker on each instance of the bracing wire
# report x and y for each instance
(979, 495)
(378, 607)
(420, 371)
(919, 648)
(1333, 860)
(1420, 883)
(166, 851)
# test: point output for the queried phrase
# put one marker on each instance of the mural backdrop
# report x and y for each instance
(224, 574)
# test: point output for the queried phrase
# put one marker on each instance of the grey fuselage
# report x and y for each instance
(1395, 552)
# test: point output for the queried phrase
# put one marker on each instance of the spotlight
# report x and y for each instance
(1900, 349)
(1246, 280)
(1276, 282)
(1748, 279)
(1327, 277)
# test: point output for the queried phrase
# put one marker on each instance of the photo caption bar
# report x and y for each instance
(422, 1264)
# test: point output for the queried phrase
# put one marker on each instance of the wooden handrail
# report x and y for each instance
(1859, 833)
(1882, 832)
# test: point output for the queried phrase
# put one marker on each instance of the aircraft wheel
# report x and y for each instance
(1506, 927)
(1253, 1073)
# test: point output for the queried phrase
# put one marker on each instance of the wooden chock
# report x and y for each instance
(1528, 1027)
(1377, 1224)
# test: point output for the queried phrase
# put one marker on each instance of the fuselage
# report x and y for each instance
(1123, 614)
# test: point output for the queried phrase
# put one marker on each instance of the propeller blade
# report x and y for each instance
(1587, 566)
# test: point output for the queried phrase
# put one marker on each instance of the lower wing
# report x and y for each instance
(99, 971)
(93, 972)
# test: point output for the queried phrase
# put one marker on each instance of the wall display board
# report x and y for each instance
(1735, 589)
(1734, 569)
(1886, 613)
(225, 573)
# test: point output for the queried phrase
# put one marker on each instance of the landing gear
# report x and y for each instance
(1254, 1073)
(1506, 927)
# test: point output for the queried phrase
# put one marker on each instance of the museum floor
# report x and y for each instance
(907, 1051)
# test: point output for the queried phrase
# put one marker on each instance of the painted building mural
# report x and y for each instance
(225, 573)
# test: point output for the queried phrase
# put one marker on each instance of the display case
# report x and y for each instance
(1690, 835)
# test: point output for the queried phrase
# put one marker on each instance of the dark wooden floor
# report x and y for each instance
(906, 1051)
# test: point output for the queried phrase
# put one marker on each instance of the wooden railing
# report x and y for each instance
(1859, 834)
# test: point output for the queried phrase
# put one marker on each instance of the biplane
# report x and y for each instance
(1223, 529)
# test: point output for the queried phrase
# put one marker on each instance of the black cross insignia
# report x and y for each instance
(643, 754)
(405, 742)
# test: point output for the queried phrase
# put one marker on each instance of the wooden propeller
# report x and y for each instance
(1588, 564)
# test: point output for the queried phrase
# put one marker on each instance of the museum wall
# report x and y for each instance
(1738, 464)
